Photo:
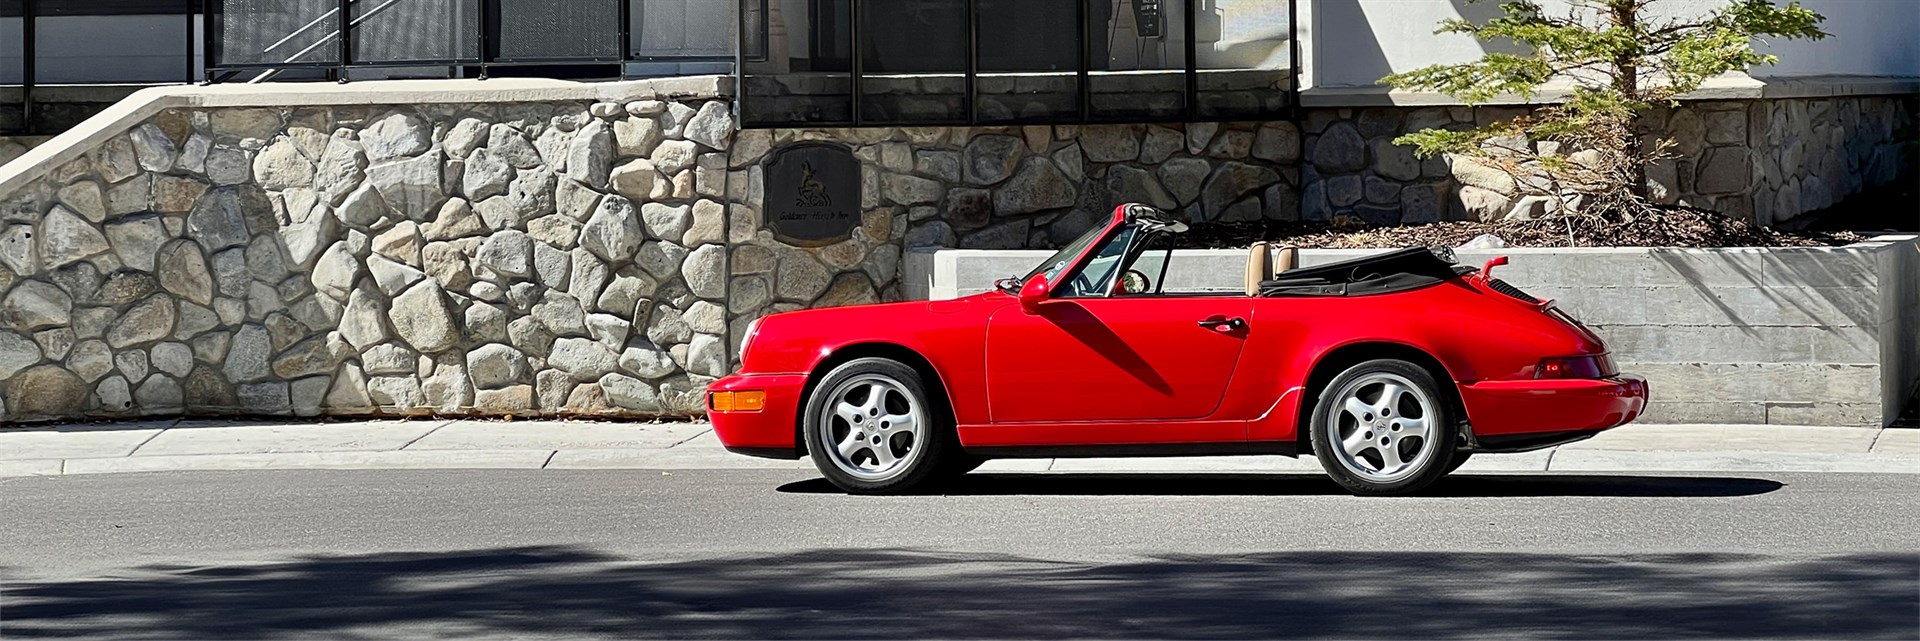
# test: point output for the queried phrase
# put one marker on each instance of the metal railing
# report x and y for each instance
(478, 36)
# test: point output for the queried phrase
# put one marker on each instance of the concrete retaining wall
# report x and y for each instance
(1812, 336)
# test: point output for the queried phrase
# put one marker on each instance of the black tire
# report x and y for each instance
(1332, 421)
(1459, 458)
(925, 457)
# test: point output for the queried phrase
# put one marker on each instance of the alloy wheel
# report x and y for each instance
(875, 425)
(1385, 426)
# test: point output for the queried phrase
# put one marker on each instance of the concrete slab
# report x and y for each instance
(1751, 462)
(78, 442)
(30, 467)
(666, 459)
(558, 435)
(467, 459)
(1731, 438)
(286, 437)
(1904, 442)
(1024, 465)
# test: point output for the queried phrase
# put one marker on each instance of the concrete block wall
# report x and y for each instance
(1809, 336)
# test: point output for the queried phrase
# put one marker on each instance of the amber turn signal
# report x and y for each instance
(736, 401)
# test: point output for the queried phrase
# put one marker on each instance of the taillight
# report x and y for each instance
(1596, 366)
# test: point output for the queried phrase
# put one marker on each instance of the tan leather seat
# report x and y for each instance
(1289, 260)
(1259, 266)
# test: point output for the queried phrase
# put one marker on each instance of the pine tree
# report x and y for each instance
(1618, 62)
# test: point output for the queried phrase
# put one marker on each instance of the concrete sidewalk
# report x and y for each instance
(455, 443)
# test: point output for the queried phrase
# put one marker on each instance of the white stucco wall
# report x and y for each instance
(1356, 42)
(1870, 38)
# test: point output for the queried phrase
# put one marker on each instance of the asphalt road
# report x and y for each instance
(774, 554)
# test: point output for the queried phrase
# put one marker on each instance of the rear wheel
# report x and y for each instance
(871, 428)
(1383, 428)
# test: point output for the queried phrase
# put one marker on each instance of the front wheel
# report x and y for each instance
(1382, 428)
(871, 428)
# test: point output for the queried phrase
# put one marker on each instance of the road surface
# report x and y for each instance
(776, 554)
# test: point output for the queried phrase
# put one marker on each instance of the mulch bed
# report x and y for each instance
(1666, 227)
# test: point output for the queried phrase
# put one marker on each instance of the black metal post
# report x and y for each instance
(1085, 90)
(973, 63)
(346, 39)
(1193, 63)
(739, 68)
(190, 9)
(484, 35)
(626, 35)
(207, 46)
(29, 15)
(1293, 53)
(858, 62)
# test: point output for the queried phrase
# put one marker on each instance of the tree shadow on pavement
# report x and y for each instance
(1229, 484)
(906, 593)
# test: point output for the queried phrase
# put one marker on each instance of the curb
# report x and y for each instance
(715, 459)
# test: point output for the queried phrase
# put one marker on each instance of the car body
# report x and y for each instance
(1074, 360)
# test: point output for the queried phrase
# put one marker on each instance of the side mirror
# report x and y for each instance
(1033, 293)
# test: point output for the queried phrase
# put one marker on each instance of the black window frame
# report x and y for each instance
(1191, 111)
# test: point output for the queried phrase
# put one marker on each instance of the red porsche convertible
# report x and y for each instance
(1392, 369)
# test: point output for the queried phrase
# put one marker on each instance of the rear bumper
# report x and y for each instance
(1498, 408)
(768, 432)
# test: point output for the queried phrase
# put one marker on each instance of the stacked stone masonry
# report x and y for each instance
(585, 258)
(514, 259)
(1761, 160)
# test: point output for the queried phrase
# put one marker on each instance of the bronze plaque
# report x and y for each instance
(812, 194)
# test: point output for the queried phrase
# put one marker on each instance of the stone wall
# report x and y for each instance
(1763, 160)
(529, 258)
(995, 187)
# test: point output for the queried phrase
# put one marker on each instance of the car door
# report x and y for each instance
(1148, 358)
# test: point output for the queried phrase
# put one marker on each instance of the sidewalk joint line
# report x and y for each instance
(1550, 454)
(549, 461)
(428, 433)
(690, 438)
(1876, 440)
(136, 448)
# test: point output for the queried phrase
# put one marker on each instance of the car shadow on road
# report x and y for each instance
(1230, 484)
(883, 592)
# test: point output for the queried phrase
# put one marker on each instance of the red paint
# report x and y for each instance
(1050, 371)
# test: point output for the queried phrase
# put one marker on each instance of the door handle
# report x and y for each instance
(1220, 324)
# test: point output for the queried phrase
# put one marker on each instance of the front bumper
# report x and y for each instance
(1497, 408)
(768, 432)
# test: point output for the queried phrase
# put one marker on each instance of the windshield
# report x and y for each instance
(1059, 261)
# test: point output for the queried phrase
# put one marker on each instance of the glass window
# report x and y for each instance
(804, 78)
(691, 28)
(145, 47)
(1244, 58)
(913, 61)
(1029, 61)
(1139, 68)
